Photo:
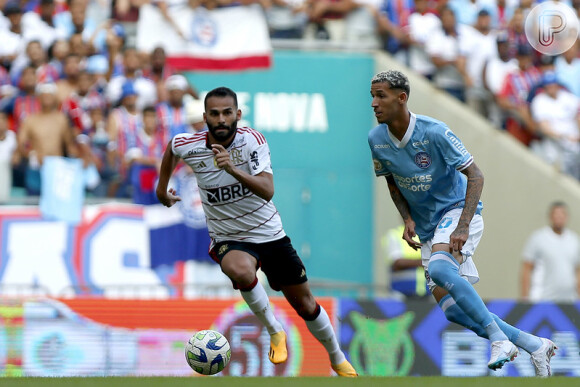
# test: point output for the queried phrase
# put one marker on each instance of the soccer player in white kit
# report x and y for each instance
(234, 176)
(436, 186)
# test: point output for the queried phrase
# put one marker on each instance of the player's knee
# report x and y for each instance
(242, 274)
(306, 307)
(441, 268)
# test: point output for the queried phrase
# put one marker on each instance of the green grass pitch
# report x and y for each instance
(283, 382)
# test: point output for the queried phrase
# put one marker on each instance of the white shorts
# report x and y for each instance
(446, 226)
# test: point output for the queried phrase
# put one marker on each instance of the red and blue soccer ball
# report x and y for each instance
(208, 352)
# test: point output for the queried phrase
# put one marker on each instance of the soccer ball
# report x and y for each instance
(208, 352)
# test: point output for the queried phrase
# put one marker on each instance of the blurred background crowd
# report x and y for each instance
(72, 82)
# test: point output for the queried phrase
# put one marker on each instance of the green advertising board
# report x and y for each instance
(314, 109)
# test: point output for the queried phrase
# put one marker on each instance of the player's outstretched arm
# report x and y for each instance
(472, 195)
(168, 163)
(261, 184)
(403, 208)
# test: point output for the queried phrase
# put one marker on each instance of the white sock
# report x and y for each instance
(259, 304)
(321, 328)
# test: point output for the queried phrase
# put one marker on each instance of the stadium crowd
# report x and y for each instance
(72, 82)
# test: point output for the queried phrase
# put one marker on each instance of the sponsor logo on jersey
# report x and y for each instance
(415, 183)
(419, 143)
(382, 146)
(254, 160)
(225, 194)
(200, 165)
(456, 142)
(377, 165)
(423, 160)
(196, 151)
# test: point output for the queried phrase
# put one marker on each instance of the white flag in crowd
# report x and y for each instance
(231, 38)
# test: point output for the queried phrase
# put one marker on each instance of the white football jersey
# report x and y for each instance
(233, 212)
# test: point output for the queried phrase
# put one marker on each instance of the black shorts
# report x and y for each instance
(278, 260)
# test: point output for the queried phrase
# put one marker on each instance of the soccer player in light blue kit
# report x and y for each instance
(436, 187)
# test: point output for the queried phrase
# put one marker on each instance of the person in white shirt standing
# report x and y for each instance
(556, 250)
(557, 113)
(236, 185)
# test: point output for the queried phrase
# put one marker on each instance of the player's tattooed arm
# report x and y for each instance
(403, 208)
(472, 195)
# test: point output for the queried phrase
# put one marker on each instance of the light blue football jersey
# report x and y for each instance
(426, 166)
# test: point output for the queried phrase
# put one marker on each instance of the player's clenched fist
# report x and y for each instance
(222, 158)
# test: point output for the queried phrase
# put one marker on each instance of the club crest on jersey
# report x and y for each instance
(423, 160)
(223, 249)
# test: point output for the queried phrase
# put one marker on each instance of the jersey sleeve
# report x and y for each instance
(259, 154)
(452, 149)
(179, 139)
(378, 165)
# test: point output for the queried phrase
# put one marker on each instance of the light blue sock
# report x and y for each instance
(444, 271)
(453, 312)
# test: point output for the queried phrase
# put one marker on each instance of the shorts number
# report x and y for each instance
(445, 222)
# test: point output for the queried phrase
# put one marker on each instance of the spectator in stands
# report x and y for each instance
(194, 110)
(144, 159)
(567, 67)
(423, 23)
(7, 157)
(11, 37)
(478, 46)
(69, 85)
(145, 88)
(392, 18)
(158, 71)
(46, 133)
(25, 101)
(40, 26)
(512, 98)
(557, 114)
(501, 11)
(98, 67)
(287, 19)
(122, 125)
(171, 113)
(516, 31)
(407, 275)
(57, 54)
(36, 57)
(495, 71)
(361, 24)
(327, 18)
(466, 11)
(126, 12)
(79, 102)
(444, 49)
(556, 250)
